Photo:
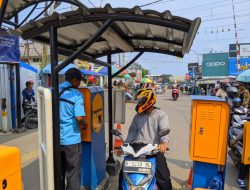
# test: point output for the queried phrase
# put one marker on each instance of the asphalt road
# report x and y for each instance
(177, 158)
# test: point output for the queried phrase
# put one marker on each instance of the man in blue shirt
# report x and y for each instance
(71, 120)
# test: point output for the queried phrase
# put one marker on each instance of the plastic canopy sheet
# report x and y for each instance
(47, 69)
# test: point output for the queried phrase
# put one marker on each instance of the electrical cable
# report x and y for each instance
(155, 2)
(200, 41)
(209, 8)
(92, 3)
(243, 15)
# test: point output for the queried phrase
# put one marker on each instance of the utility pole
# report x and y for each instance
(236, 38)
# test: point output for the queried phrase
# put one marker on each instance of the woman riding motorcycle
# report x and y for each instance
(145, 128)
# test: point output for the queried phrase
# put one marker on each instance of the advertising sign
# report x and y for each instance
(244, 50)
(244, 65)
(215, 65)
(193, 69)
(9, 48)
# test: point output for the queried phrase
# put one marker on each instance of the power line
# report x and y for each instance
(92, 3)
(209, 8)
(202, 5)
(223, 13)
(221, 39)
(155, 2)
(224, 26)
(242, 15)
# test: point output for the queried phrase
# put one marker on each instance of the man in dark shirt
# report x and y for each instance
(28, 94)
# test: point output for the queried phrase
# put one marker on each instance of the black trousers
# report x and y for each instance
(243, 170)
(162, 174)
(71, 166)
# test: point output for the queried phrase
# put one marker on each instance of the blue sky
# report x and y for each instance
(215, 34)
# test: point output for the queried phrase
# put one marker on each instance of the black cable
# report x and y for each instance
(154, 2)
(241, 15)
(92, 3)
(207, 8)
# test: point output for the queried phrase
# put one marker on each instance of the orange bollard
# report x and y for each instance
(118, 141)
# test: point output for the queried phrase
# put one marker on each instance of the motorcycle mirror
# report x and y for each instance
(116, 132)
(163, 133)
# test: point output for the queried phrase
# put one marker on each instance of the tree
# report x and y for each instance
(166, 77)
(144, 72)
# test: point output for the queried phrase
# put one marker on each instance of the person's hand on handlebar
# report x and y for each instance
(119, 152)
(163, 147)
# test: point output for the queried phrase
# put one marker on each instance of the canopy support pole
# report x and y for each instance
(2, 11)
(19, 127)
(55, 109)
(26, 18)
(86, 45)
(126, 66)
(112, 165)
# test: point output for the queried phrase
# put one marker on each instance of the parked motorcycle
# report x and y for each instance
(30, 118)
(175, 93)
(139, 165)
(238, 117)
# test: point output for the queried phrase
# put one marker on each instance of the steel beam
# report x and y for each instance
(32, 10)
(167, 52)
(44, 10)
(10, 23)
(2, 11)
(76, 3)
(77, 19)
(110, 110)
(86, 45)
(67, 52)
(126, 66)
(55, 109)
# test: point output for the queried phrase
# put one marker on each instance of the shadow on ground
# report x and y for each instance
(30, 175)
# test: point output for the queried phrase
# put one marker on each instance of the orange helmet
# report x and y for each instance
(146, 99)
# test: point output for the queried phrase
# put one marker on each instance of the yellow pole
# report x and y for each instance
(4, 115)
(1, 2)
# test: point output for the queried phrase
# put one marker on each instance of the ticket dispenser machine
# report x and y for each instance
(208, 139)
(93, 139)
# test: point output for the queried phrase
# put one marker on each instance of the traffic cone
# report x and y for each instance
(189, 182)
(118, 141)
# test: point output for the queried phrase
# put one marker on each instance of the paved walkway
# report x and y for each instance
(177, 157)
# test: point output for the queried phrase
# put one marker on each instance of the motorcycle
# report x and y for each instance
(238, 117)
(175, 93)
(30, 118)
(139, 164)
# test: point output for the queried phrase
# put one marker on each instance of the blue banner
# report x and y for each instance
(244, 65)
(9, 49)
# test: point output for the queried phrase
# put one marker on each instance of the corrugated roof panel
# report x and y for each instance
(132, 29)
(137, 29)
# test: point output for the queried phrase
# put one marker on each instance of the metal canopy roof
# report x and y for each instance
(132, 30)
(16, 6)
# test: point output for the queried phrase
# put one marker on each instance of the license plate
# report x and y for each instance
(137, 167)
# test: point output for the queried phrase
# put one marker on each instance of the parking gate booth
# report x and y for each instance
(208, 140)
(93, 171)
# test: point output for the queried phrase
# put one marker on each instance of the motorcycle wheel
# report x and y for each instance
(175, 97)
(31, 121)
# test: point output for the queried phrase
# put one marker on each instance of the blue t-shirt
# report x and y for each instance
(69, 128)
